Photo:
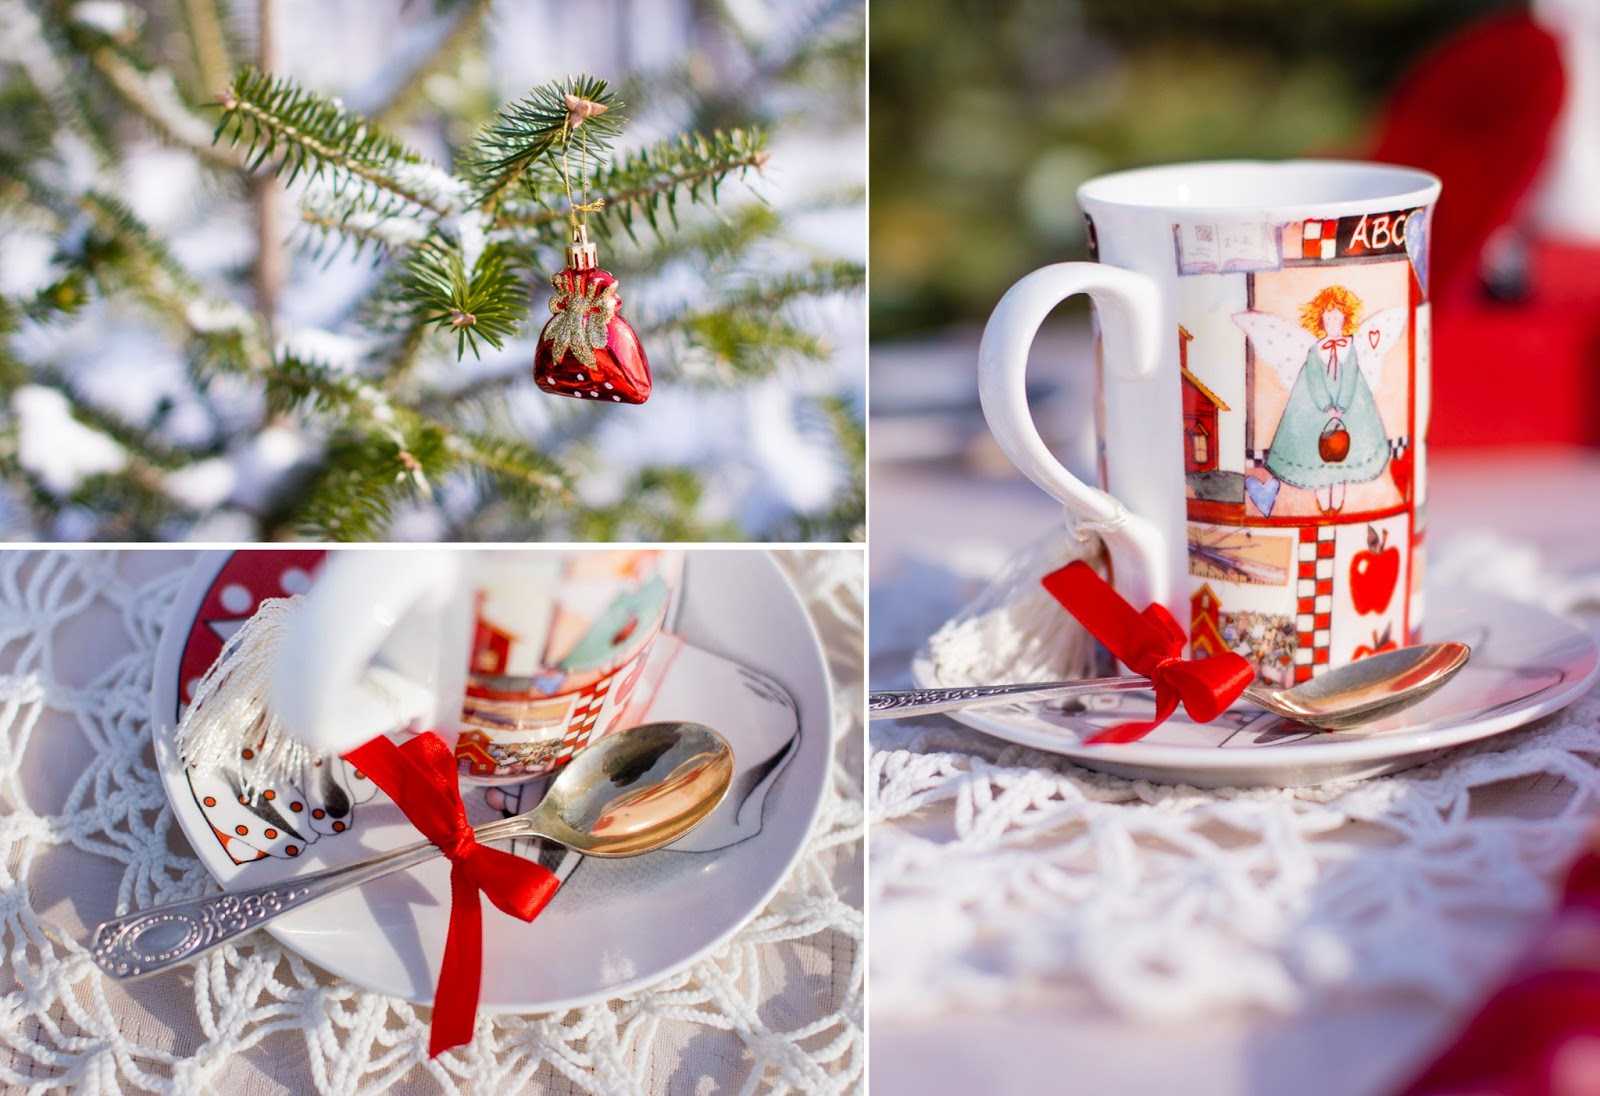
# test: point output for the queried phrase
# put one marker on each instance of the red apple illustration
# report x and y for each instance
(1374, 573)
(1380, 643)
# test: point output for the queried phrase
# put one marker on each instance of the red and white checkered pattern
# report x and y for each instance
(1314, 589)
(1319, 239)
(585, 714)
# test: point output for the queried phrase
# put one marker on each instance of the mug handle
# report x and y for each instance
(1129, 308)
(374, 647)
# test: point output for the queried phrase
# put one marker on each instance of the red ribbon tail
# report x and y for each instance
(455, 1000)
(1166, 704)
(1121, 732)
(420, 777)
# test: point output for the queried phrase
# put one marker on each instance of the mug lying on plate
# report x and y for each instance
(525, 655)
(1262, 404)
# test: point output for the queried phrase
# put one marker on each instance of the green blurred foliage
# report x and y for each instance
(987, 114)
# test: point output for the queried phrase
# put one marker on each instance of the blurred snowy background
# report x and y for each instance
(767, 452)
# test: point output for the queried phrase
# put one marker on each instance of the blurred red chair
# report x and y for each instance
(1516, 311)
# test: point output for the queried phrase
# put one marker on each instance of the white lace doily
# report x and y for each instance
(1004, 876)
(85, 832)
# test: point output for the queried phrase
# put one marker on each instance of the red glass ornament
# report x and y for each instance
(587, 350)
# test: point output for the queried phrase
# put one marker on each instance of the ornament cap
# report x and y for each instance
(581, 252)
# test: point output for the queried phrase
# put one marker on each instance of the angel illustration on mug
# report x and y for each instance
(1330, 434)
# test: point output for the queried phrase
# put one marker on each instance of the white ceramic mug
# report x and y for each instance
(525, 655)
(1262, 402)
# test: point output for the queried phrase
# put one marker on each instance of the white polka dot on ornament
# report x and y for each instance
(236, 599)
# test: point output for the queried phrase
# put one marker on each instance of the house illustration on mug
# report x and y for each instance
(491, 644)
(1205, 634)
(1200, 407)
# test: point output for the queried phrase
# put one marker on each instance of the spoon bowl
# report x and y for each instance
(636, 790)
(1366, 689)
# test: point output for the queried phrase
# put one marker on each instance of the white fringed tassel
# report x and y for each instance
(1014, 631)
(228, 711)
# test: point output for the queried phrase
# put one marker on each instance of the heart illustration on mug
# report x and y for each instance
(1264, 493)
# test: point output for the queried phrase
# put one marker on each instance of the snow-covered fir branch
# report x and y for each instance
(131, 335)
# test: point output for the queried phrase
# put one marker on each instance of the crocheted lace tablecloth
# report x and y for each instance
(86, 833)
(1161, 938)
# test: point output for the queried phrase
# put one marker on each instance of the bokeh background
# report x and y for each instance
(987, 116)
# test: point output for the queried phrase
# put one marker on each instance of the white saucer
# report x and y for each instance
(1526, 663)
(742, 657)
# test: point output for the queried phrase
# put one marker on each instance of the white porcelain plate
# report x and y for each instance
(742, 657)
(1526, 663)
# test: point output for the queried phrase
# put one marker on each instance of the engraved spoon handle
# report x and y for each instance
(900, 705)
(154, 939)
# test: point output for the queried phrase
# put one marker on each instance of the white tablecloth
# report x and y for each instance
(1316, 942)
(85, 833)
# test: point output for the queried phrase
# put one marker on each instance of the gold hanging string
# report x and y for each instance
(578, 110)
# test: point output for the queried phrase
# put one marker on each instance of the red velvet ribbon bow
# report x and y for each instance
(1149, 643)
(421, 779)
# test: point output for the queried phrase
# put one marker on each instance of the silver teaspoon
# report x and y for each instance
(1335, 700)
(632, 792)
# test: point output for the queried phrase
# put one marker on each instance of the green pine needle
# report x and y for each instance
(364, 478)
(660, 503)
(487, 304)
(299, 131)
(381, 456)
(818, 280)
(520, 473)
(719, 241)
(841, 519)
(119, 251)
(533, 132)
(742, 344)
(746, 332)
(61, 298)
(650, 181)
(296, 384)
(647, 184)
